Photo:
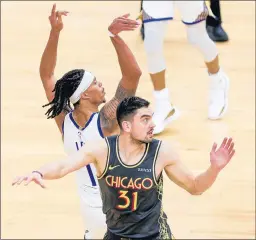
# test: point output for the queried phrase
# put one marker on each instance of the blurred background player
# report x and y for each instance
(83, 122)
(214, 23)
(155, 16)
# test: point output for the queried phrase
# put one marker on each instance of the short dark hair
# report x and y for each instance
(64, 88)
(128, 108)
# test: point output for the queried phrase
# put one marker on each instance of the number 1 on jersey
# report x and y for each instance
(127, 200)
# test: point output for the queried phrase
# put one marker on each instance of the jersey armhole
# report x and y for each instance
(107, 162)
(154, 164)
(62, 128)
(99, 126)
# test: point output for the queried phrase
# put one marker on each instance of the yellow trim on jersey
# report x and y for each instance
(154, 162)
(131, 166)
(107, 163)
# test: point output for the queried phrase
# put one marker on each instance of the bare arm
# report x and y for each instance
(130, 72)
(196, 185)
(89, 153)
(49, 59)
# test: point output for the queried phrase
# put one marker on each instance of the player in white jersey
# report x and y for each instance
(155, 16)
(84, 122)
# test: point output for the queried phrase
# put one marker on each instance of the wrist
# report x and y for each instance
(111, 33)
(214, 169)
(55, 32)
(38, 172)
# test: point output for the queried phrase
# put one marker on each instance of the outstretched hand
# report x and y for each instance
(123, 23)
(32, 177)
(221, 157)
(56, 19)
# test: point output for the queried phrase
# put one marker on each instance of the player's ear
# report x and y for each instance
(85, 96)
(126, 126)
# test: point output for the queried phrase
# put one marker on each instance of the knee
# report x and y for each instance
(198, 37)
(153, 43)
(197, 33)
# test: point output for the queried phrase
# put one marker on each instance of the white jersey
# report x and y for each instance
(74, 138)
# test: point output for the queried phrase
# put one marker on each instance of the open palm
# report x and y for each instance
(123, 23)
(221, 157)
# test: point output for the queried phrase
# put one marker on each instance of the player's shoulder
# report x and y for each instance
(112, 138)
(156, 142)
(168, 151)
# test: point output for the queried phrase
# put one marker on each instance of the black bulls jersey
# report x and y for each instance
(132, 196)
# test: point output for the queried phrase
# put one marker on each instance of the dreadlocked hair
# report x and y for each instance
(142, 29)
(64, 88)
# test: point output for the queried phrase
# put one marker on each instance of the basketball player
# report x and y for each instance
(155, 16)
(129, 168)
(86, 93)
(214, 23)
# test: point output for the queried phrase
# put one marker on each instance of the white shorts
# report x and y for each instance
(91, 207)
(164, 10)
(94, 220)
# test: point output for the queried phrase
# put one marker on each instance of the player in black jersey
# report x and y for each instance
(129, 168)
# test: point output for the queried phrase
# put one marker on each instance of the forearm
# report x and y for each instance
(128, 64)
(49, 57)
(70, 164)
(205, 180)
(54, 170)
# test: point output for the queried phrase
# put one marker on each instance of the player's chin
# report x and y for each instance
(149, 138)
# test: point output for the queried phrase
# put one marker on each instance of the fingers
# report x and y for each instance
(29, 179)
(59, 17)
(128, 21)
(61, 13)
(223, 143)
(229, 142)
(214, 147)
(232, 153)
(53, 9)
(231, 147)
(18, 180)
(15, 180)
(41, 183)
(126, 15)
(128, 29)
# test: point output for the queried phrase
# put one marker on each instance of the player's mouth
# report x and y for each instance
(150, 133)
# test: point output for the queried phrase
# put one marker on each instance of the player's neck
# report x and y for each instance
(129, 147)
(82, 114)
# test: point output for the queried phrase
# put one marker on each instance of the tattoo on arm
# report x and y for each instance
(108, 112)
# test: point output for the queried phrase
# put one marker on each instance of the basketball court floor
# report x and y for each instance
(29, 140)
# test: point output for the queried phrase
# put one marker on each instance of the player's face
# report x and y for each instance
(142, 125)
(96, 92)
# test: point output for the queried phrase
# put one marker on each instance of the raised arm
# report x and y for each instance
(89, 153)
(196, 185)
(49, 58)
(130, 72)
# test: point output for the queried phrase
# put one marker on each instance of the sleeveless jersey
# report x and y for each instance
(74, 138)
(132, 196)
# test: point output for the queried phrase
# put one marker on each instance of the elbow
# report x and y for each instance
(135, 74)
(45, 73)
(196, 193)
(138, 72)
